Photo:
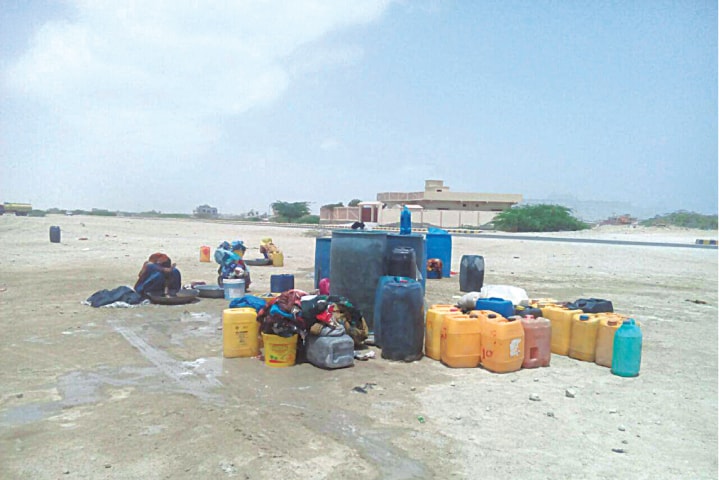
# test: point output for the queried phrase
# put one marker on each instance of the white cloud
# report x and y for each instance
(158, 72)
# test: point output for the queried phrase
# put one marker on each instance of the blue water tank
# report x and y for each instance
(322, 259)
(402, 321)
(416, 242)
(439, 245)
(357, 261)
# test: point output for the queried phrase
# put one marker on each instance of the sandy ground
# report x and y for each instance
(145, 393)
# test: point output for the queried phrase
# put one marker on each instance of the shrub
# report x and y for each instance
(682, 218)
(314, 219)
(538, 218)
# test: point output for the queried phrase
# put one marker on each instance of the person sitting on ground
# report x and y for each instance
(158, 276)
(267, 248)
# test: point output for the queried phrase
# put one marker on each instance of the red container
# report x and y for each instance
(537, 342)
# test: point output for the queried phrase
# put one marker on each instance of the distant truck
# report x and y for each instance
(19, 209)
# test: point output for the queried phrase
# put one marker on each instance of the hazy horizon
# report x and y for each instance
(139, 106)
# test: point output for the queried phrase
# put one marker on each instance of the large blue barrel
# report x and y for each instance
(415, 241)
(282, 283)
(402, 317)
(378, 304)
(357, 260)
(439, 245)
(471, 273)
(322, 259)
(55, 234)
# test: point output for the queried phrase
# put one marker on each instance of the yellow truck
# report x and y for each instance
(19, 209)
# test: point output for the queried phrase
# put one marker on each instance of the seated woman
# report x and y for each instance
(158, 276)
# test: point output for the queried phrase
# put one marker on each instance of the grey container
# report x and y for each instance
(330, 351)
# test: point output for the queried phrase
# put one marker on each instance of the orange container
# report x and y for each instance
(608, 325)
(502, 341)
(537, 342)
(583, 340)
(240, 333)
(460, 341)
(433, 326)
(561, 319)
(204, 253)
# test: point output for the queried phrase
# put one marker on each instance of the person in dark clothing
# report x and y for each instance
(158, 276)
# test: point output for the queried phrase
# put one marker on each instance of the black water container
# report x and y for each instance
(402, 263)
(402, 314)
(357, 261)
(55, 234)
(522, 311)
(322, 259)
(471, 273)
(415, 241)
(282, 283)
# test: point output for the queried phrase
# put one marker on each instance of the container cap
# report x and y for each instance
(491, 315)
(584, 317)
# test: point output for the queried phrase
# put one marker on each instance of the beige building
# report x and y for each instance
(436, 205)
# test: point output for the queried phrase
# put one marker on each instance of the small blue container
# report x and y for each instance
(55, 234)
(627, 353)
(495, 304)
(282, 283)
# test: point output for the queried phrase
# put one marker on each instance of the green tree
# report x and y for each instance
(333, 205)
(538, 218)
(291, 211)
(354, 202)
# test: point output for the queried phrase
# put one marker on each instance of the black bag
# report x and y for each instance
(591, 305)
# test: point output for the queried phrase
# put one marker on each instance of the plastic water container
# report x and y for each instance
(322, 259)
(357, 260)
(416, 242)
(282, 283)
(405, 221)
(377, 327)
(608, 325)
(234, 288)
(402, 263)
(55, 234)
(439, 245)
(527, 311)
(240, 333)
(204, 253)
(499, 305)
(279, 351)
(583, 339)
(460, 344)
(471, 273)
(502, 341)
(561, 319)
(537, 342)
(592, 305)
(330, 351)
(278, 259)
(433, 326)
(627, 354)
(402, 313)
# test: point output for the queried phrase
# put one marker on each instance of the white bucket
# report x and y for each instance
(234, 288)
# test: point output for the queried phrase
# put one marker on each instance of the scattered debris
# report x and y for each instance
(618, 450)
(363, 389)
(550, 414)
(364, 356)
(534, 397)
(698, 302)
(420, 418)
(570, 393)
(613, 410)
(622, 428)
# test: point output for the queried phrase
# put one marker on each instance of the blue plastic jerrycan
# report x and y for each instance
(627, 354)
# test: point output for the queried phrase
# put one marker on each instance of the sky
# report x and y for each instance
(167, 105)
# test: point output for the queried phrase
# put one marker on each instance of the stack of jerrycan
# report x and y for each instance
(460, 342)
(561, 318)
(537, 341)
(433, 328)
(502, 341)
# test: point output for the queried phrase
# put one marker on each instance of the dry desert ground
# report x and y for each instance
(145, 393)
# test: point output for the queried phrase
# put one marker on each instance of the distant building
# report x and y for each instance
(205, 211)
(436, 205)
